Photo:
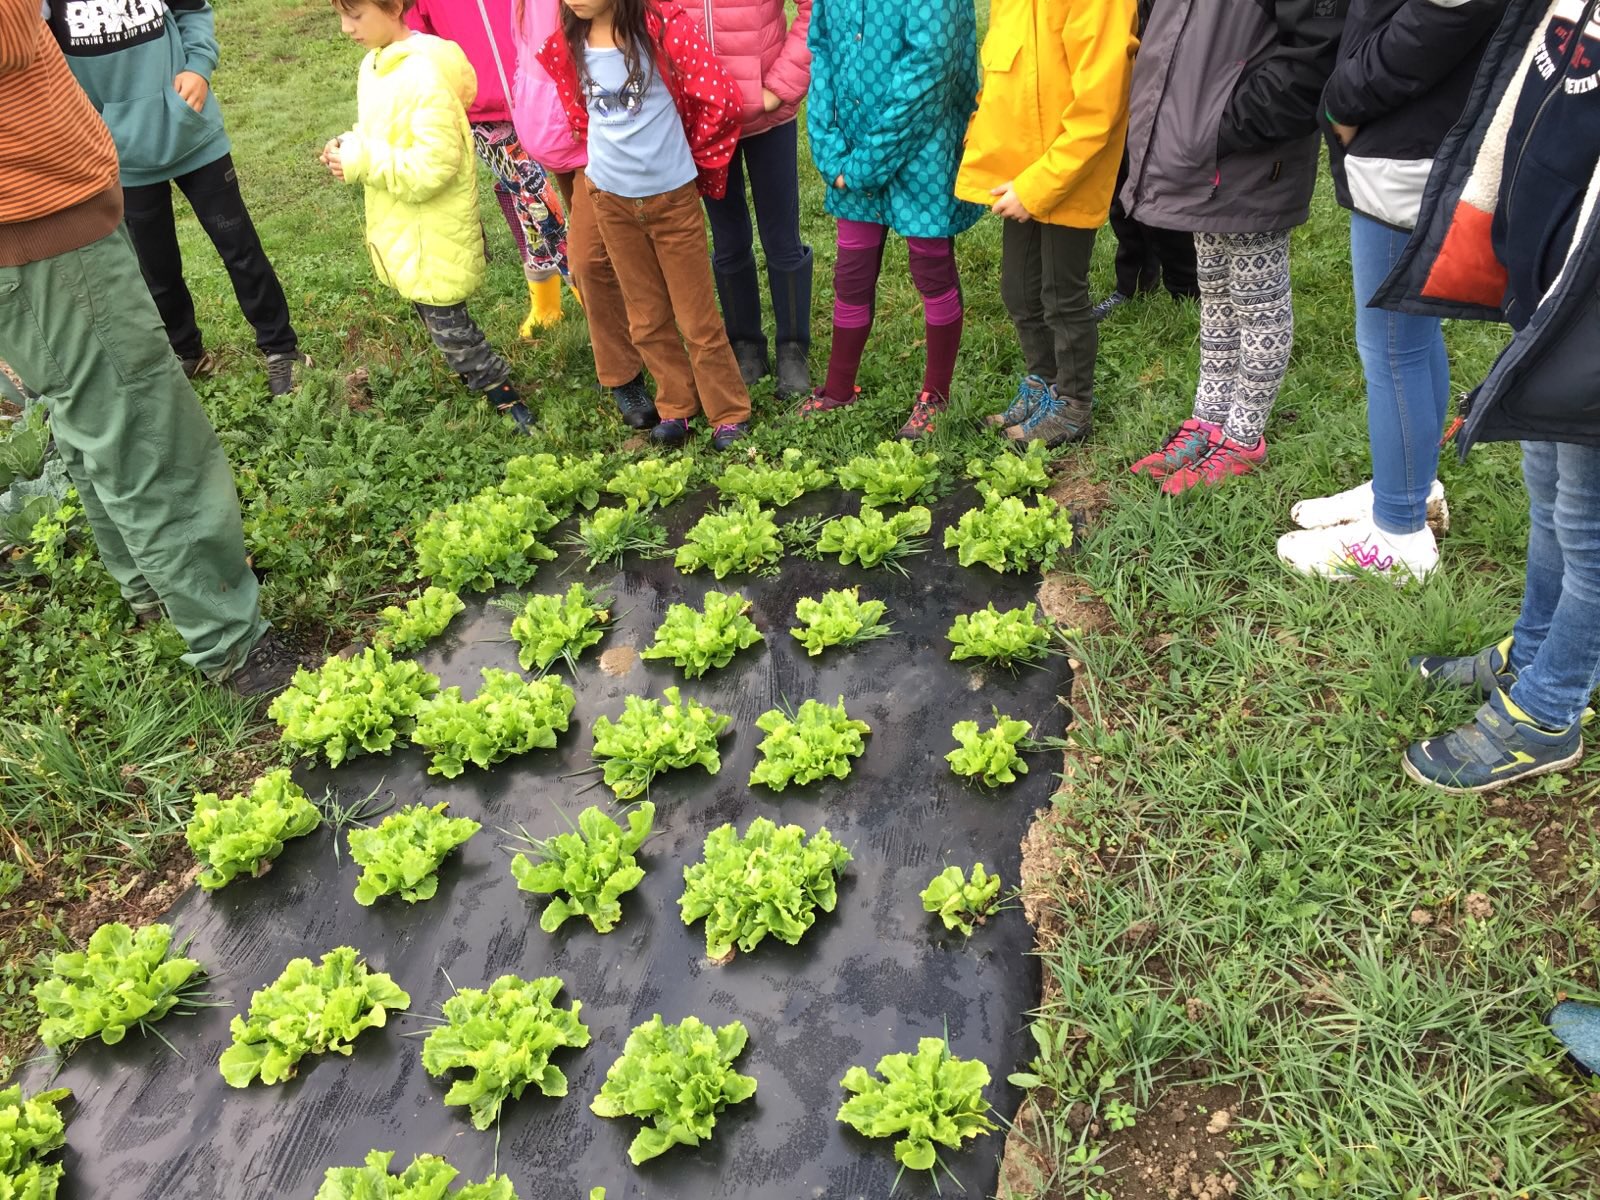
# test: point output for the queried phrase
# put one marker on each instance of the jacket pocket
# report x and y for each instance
(1000, 49)
(157, 132)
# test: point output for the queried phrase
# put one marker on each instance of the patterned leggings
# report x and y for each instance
(1246, 329)
(527, 196)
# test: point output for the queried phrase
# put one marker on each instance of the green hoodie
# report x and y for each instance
(126, 55)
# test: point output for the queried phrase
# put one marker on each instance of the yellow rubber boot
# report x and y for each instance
(544, 304)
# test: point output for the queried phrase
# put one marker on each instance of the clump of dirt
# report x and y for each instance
(1067, 601)
(1478, 906)
(618, 660)
(1178, 1150)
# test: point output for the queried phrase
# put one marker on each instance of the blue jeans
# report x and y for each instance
(1556, 653)
(1408, 384)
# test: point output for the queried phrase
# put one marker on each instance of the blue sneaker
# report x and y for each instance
(1055, 420)
(1031, 392)
(672, 432)
(1480, 673)
(1500, 747)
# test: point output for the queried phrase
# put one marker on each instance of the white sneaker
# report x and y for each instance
(1360, 547)
(1356, 505)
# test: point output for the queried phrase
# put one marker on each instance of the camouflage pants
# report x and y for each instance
(466, 351)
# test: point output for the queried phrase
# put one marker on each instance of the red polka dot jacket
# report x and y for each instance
(704, 93)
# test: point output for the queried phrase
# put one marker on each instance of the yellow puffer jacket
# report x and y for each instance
(1053, 113)
(412, 150)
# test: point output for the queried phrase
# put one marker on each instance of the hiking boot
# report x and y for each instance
(729, 432)
(920, 423)
(820, 402)
(1031, 393)
(1360, 547)
(149, 618)
(1482, 673)
(1055, 421)
(201, 366)
(267, 669)
(508, 403)
(753, 362)
(634, 403)
(1501, 746)
(794, 371)
(1112, 302)
(1224, 460)
(1355, 504)
(283, 371)
(1184, 446)
(670, 433)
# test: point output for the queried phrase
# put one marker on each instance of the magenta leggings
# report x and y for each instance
(860, 260)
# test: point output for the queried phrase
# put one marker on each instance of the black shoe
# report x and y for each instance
(508, 403)
(1116, 300)
(794, 371)
(200, 366)
(283, 371)
(634, 403)
(267, 669)
(754, 365)
(724, 436)
(671, 433)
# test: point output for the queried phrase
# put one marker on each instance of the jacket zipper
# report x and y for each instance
(711, 29)
(1166, 83)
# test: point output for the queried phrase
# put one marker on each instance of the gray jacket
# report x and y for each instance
(1222, 129)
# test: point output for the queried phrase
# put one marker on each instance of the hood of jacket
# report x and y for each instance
(483, 31)
(756, 44)
(437, 54)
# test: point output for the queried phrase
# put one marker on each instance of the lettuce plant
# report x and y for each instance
(771, 880)
(587, 871)
(778, 485)
(352, 705)
(678, 1078)
(403, 853)
(611, 534)
(504, 1036)
(561, 485)
(840, 618)
(989, 756)
(873, 539)
(652, 736)
(480, 543)
(1013, 474)
(30, 1130)
(927, 1099)
(308, 1010)
(894, 473)
(738, 537)
(999, 637)
(244, 834)
(426, 1178)
(419, 622)
(552, 627)
(121, 980)
(699, 640)
(508, 716)
(1006, 535)
(652, 482)
(817, 741)
(961, 902)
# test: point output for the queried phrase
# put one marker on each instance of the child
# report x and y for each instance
(1222, 142)
(147, 68)
(767, 57)
(661, 118)
(541, 124)
(533, 212)
(412, 150)
(892, 88)
(1043, 150)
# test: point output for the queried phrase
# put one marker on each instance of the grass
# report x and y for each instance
(1241, 871)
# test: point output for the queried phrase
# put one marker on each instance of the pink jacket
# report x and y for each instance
(536, 107)
(483, 31)
(760, 49)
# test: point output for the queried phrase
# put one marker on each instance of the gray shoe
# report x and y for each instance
(794, 371)
(283, 371)
(634, 403)
(754, 365)
(202, 366)
(1055, 421)
(267, 669)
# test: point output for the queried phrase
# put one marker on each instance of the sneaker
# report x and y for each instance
(1186, 445)
(753, 362)
(634, 403)
(1054, 421)
(1482, 673)
(508, 403)
(1355, 504)
(202, 366)
(794, 371)
(670, 432)
(1360, 547)
(1501, 746)
(820, 402)
(1031, 392)
(1224, 460)
(267, 669)
(920, 423)
(283, 371)
(1112, 302)
(729, 432)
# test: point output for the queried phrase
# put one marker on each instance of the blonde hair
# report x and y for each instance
(395, 8)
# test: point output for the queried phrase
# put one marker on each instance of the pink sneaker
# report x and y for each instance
(1226, 458)
(820, 402)
(1187, 445)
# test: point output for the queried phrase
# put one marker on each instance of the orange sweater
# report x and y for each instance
(58, 167)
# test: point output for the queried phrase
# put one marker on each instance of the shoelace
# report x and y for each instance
(728, 427)
(1215, 464)
(1183, 442)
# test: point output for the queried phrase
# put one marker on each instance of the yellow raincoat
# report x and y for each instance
(1053, 113)
(412, 150)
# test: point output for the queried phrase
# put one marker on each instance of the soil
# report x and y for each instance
(1178, 1150)
(618, 660)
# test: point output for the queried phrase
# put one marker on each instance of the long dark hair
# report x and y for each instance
(631, 28)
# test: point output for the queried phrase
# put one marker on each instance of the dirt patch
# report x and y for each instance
(1075, 487)
(618, 660)
(1067, 601)
(1178, 1150)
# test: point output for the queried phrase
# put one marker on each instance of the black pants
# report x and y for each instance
(1044, 283)
(1147, 256)
(213, 193)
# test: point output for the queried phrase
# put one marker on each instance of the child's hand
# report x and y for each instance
(332, 160)
(770, 101)
(1345, 133)
(1008, 205)
(192, 89)
(839, 183)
